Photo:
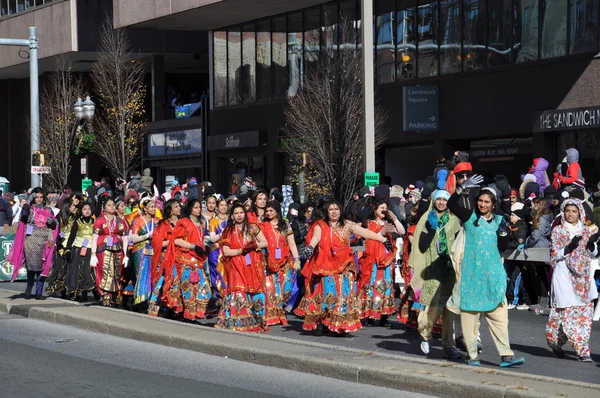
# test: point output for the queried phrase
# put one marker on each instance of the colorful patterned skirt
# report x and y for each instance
(191, 292)
(108, 276)
(377, 297)
(279, 289)
(244, 312)
(80, 277)
(332, 302)
(142, 264)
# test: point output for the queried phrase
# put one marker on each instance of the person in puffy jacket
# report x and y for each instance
(567, 175)
(538, 169)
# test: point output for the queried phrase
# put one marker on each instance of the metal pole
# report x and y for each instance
(368, 83)
(36, 181)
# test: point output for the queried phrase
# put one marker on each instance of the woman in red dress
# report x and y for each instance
(244, 305)
(330, 272)
(282, 263)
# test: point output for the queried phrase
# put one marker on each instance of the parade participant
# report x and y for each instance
(142, 229)
(215, 258)
(56, 280)
(109, 253)
(406, 313)
(330, 298)
(376, 282)
(282, 262)
(190, 290)
(162, 271)
(210, 210)
(121, 209)
(256, 214)
(244, 306)
(482, 275)
(433, 275)
(80, 278)
(34, 243)
(573, 286)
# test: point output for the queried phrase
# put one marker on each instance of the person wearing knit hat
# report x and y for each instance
(514, 196)
(382, 191)
(516, 292)
(433, 274)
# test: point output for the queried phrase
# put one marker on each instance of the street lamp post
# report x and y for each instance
(368, 84)
(84, 113)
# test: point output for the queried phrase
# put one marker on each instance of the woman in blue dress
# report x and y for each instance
(481, 276)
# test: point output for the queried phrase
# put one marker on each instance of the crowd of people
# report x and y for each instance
(427, 253)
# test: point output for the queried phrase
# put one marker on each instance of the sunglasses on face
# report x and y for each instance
(463, 175)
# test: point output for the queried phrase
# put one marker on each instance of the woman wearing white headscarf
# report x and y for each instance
(573, 286)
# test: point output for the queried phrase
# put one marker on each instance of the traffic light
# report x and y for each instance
(36, 158)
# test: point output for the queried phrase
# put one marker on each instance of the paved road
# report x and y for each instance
(527, 334)
(44, 359)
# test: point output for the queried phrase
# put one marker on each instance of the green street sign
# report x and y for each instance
(371, 179)
(85, 184)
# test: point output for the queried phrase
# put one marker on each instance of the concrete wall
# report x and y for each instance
(57, 33)
(130, 12)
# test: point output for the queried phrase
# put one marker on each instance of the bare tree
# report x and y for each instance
(58, 133)
(324, 120)
(118, 78)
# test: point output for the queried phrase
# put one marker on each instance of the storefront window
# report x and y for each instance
(263, 60)
(526, 24)
(279, 51)
(348, 15)
(500, 33)
(220, 67)
(295, 52)
(384, 40)
(248, 84)
(237, 169)
(554, 28)
(450, 36)
(473, 56)
(584, 26)
(234, 55)
(406, 50)
(427, 34)
(312, 38)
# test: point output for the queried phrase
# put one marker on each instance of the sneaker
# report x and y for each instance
(473, 362)
(452, 354)
(511, 306)
(509, 360)
(586, 358)
(522, 307)
(425, 347)
(558, 352)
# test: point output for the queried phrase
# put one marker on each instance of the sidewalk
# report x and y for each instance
(394, 371)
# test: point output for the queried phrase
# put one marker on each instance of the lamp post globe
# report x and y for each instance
(88, 109)
(78, 109)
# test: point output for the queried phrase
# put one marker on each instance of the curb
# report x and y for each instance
(386, 370)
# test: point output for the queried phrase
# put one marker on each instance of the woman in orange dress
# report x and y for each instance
(282, 263)
(244, 305)
(330, 272)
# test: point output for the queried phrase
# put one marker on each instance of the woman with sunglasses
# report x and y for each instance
(282, 263)
(244, 306)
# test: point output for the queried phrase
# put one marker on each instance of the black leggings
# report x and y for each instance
(36, 276)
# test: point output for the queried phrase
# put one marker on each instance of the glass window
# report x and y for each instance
(220, 67)
(248, 83)
(384, 40)
(294, 52)
(234, 65)
(29, 3)
(263, 60)
(500, 34)
(583, 26)
(427, 35)
(329, 40)
(20, 5)
(450, 36)
(279, 42)
(348, 15)
(554, 28)
(526, 31)
(3, 7)
(474, 57)
(12, 6)
(406, 49)
(39, 2)
(312, 38)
